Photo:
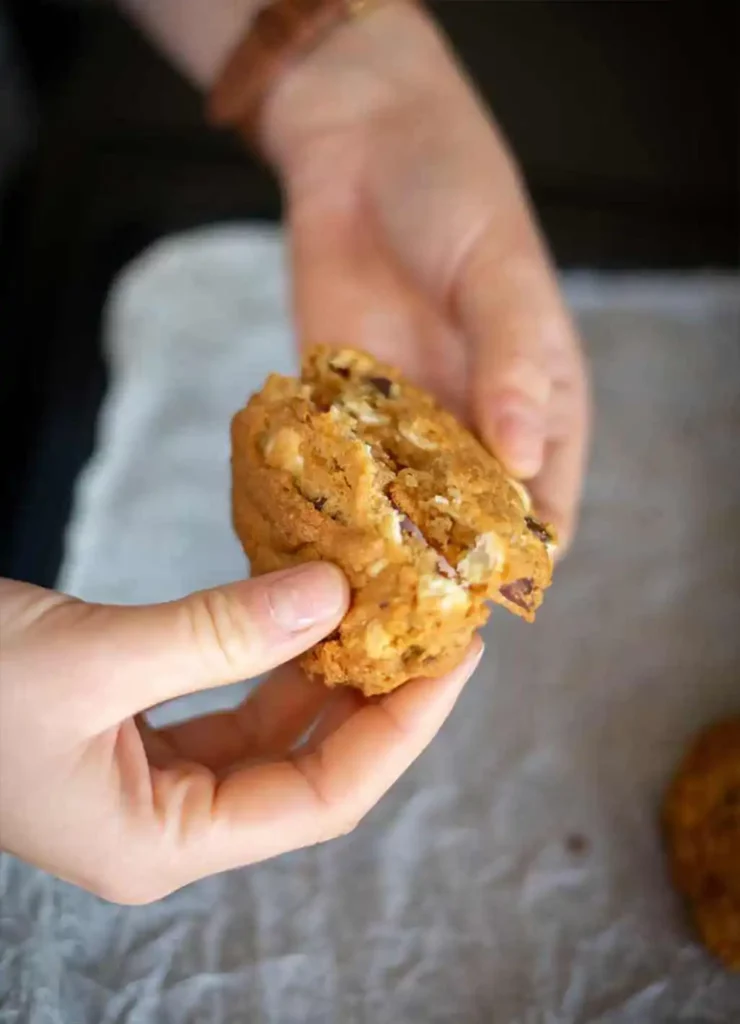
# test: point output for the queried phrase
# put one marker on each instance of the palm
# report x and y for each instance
(351, 288)
(269, 724)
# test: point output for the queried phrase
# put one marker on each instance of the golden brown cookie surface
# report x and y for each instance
(353, 465)
(702, 824)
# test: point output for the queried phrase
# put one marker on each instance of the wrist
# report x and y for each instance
(363, 70)
(196, 35)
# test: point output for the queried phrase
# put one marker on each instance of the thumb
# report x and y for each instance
(119, 661)
(219, 636)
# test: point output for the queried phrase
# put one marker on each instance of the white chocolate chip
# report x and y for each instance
(346, 359)
(342, 359)
(524, 495)
(486, 558)
(362, 411)
(377, 567)
(450, 595)
(282, 450)
(451, 505)
(378, 642)
(416, 438)
(390, 527)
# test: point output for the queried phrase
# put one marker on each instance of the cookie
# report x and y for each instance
(702, 825)
(353, 465)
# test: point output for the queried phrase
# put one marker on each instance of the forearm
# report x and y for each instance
(196, 35)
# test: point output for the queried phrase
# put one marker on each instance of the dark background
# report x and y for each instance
(624, 116)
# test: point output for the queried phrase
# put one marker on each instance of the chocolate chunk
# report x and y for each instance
(383, 385)
(343, 371)
(538, 529)
(518, 591)
(409, 527)
(318, 503)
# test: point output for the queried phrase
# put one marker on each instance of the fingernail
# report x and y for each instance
(520, 440)
(478, 658)
(470, 663)
(307, 595)
(473, 661)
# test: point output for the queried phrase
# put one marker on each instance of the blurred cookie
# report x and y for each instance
(353, 465)
(702, 824)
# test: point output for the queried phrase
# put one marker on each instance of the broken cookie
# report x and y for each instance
(352, 464)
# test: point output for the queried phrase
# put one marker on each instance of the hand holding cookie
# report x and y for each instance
(412, 239)
(94, 795)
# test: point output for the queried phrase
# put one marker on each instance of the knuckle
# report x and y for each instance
(337, 816)
(222, 628)
(526, 379)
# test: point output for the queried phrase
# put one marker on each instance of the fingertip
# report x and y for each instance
(469, 662)
(307, 595)
(336, 580)
(516, 434)
(564, 528)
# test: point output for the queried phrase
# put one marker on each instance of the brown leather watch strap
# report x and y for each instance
(281, 34)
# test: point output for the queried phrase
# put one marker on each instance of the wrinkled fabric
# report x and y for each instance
(515, 875)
